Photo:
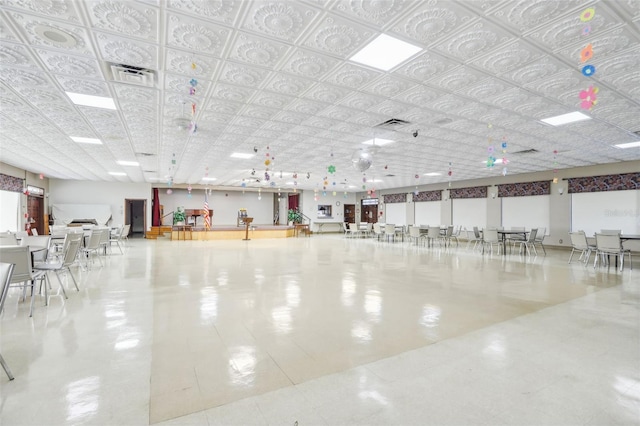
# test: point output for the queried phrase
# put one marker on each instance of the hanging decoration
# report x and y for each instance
(193, 83)
(588, 98)
(555, 166)
(491, 159)
(450, 173)
(504, 156)
(331, 169)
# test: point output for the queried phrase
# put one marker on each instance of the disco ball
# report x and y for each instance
(362, 159)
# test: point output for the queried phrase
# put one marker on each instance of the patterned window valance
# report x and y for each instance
(11, 183)
(524, 189)
(395, 198)
(605, 183)
(471, 192)
(427, 196)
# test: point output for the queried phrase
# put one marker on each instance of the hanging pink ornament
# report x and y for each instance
(169, 191)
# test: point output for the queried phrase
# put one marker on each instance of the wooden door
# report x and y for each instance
(35, 209)
(369, 214)
(349, 213)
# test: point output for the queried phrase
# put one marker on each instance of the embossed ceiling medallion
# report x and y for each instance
(55, 35)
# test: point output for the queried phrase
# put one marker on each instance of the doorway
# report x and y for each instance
(135, 215)
(369, 213)
(35, 209)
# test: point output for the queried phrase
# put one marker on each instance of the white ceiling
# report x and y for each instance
(276, 75)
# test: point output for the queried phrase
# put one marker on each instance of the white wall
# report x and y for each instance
(112, 193)
(396, 213)
(225, 205)
(470, 212)
(10, 211)
(530, 212)
(310, 207)
(428, 213)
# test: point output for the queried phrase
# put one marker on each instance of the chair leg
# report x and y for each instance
(571, 255)
(6, 368)
(61, 286)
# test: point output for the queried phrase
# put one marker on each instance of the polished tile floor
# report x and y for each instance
(327, 330)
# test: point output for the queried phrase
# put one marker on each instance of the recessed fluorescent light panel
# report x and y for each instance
(628, 145)
(92, 101)
(128, 163)
(377, 142)
(241, 155)
(209, 178)
(117, 173)
(79, 139)
(433, 174)
(385, 52)
(571, 117)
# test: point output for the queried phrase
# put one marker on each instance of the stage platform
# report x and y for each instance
(231, 232)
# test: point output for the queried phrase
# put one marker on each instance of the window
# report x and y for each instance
(324, 211)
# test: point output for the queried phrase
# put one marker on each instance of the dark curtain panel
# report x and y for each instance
(156, 220)
(293, 201)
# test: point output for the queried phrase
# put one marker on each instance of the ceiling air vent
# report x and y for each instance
(394, 122)
(133, 75)
(637, 133)
(389, 175)
(145, 154)
(526, 151)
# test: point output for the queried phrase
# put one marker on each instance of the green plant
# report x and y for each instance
(178, 215)
(294, 216)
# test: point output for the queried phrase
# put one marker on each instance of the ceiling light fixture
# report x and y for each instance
(385, 52)
(128, 163)
(377, 142)
(209, 178)
(92, 101)
(80, 139)
(571, 117)
(117, 173)
(628, 145)
(241, 155)
(433, 174)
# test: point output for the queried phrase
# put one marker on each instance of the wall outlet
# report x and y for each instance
(560, 241)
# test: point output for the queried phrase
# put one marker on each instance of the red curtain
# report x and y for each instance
(293, 201)
(156, 219)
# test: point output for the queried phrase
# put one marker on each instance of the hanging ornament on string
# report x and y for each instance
(588, 98)
(450, 173)
(555, 166)
(504, 156)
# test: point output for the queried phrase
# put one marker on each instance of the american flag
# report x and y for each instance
(205, 212)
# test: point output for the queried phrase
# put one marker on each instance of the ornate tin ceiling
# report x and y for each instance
(275, 77)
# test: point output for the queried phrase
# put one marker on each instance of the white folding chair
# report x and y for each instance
(8, 240)
(490, 237)
(23, 274)
(528, 244)
(540, 239)
(70, 250)
(579, 243)
(610, 245)
(6, 271)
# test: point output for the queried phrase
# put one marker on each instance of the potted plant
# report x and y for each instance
(294, 216)
(179, 216)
